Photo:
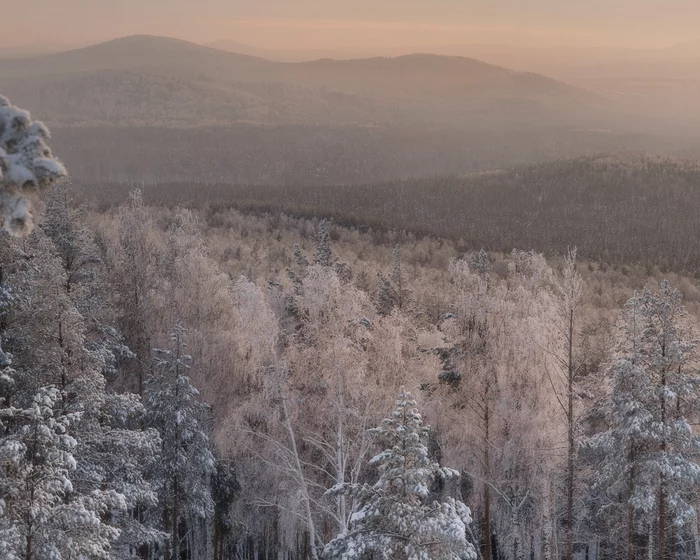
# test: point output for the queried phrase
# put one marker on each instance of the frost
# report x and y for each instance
(27, 167)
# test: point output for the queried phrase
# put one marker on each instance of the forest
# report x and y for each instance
(625, 208)
(201, 386)
(191, 383)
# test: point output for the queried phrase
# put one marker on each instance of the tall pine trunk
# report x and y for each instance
(630, 511)
(662, 484)
(488, 552)
(571, 446)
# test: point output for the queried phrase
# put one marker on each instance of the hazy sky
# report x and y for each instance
(304, 24)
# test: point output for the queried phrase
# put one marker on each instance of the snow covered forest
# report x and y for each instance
(184, 384)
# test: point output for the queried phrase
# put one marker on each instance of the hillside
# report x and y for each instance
(232, 88)
(148, 108)
(632, 209)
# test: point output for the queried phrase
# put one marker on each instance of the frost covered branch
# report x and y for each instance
(27, 167)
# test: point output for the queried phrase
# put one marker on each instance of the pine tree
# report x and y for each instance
(324, 247)
(49, 517)
(395, 518)
(27, 167)
(225, 488)
(182, 476)
(398, 278)
(481, 263)
(385, 295)
(49, 337)
(648, 449)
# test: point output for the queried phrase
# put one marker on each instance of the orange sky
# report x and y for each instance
(303, 24)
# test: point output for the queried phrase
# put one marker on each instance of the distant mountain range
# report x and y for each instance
(162, 109)
(156, 80)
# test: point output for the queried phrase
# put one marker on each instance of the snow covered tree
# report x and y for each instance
(324, 246)
(385, 297)
(649, 449)
(398, 278)
(52, 518)
(395, 518)
(300, 259)
(82, 263)
(393, 291)
(493, 399)
(131, 258)
(182, 476)
(225, 487)
(27, 167)
(570, 289)
(481, 262)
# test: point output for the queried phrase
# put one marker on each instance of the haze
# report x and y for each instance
(324, 24)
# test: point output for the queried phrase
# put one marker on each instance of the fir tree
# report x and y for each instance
(225, 488)
(324, 247)
(648, 449)
(395, 518)
(300, 258)
(49, 517)
(398, 279)
(385, 295)
(481, 262)
(27, 167)
(109, 448)
(182, 476)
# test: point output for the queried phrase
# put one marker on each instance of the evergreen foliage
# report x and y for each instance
(395, 517)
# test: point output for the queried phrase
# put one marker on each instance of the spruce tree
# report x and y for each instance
(648, 450)
(395, 517)
(27, 167)
(324, 246)
(182, 476)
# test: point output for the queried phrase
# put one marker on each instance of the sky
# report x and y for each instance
(305, 24)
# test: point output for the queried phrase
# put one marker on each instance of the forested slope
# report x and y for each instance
(201, 379)
(618, 209)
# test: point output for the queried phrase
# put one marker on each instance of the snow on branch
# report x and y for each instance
(27, 167)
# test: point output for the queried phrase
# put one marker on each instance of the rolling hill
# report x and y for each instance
(229, 88)
(154, 108)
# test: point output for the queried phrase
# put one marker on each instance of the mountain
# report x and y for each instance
(35, 49)
(137, 52)
(154, 108)
(306, 55)
(201, 85)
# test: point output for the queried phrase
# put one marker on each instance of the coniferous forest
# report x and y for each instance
(211, 383)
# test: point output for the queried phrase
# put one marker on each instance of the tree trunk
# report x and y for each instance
(175, 521)
(516, 522)
(662, 490)
(311, 530)
(630, 512)
(488, 552)
(571, 447)
(28, 552)
(547, 529)
(166, 528)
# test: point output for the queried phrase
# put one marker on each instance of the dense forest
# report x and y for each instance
(192, 383)
(617, 209)
(187, 384)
